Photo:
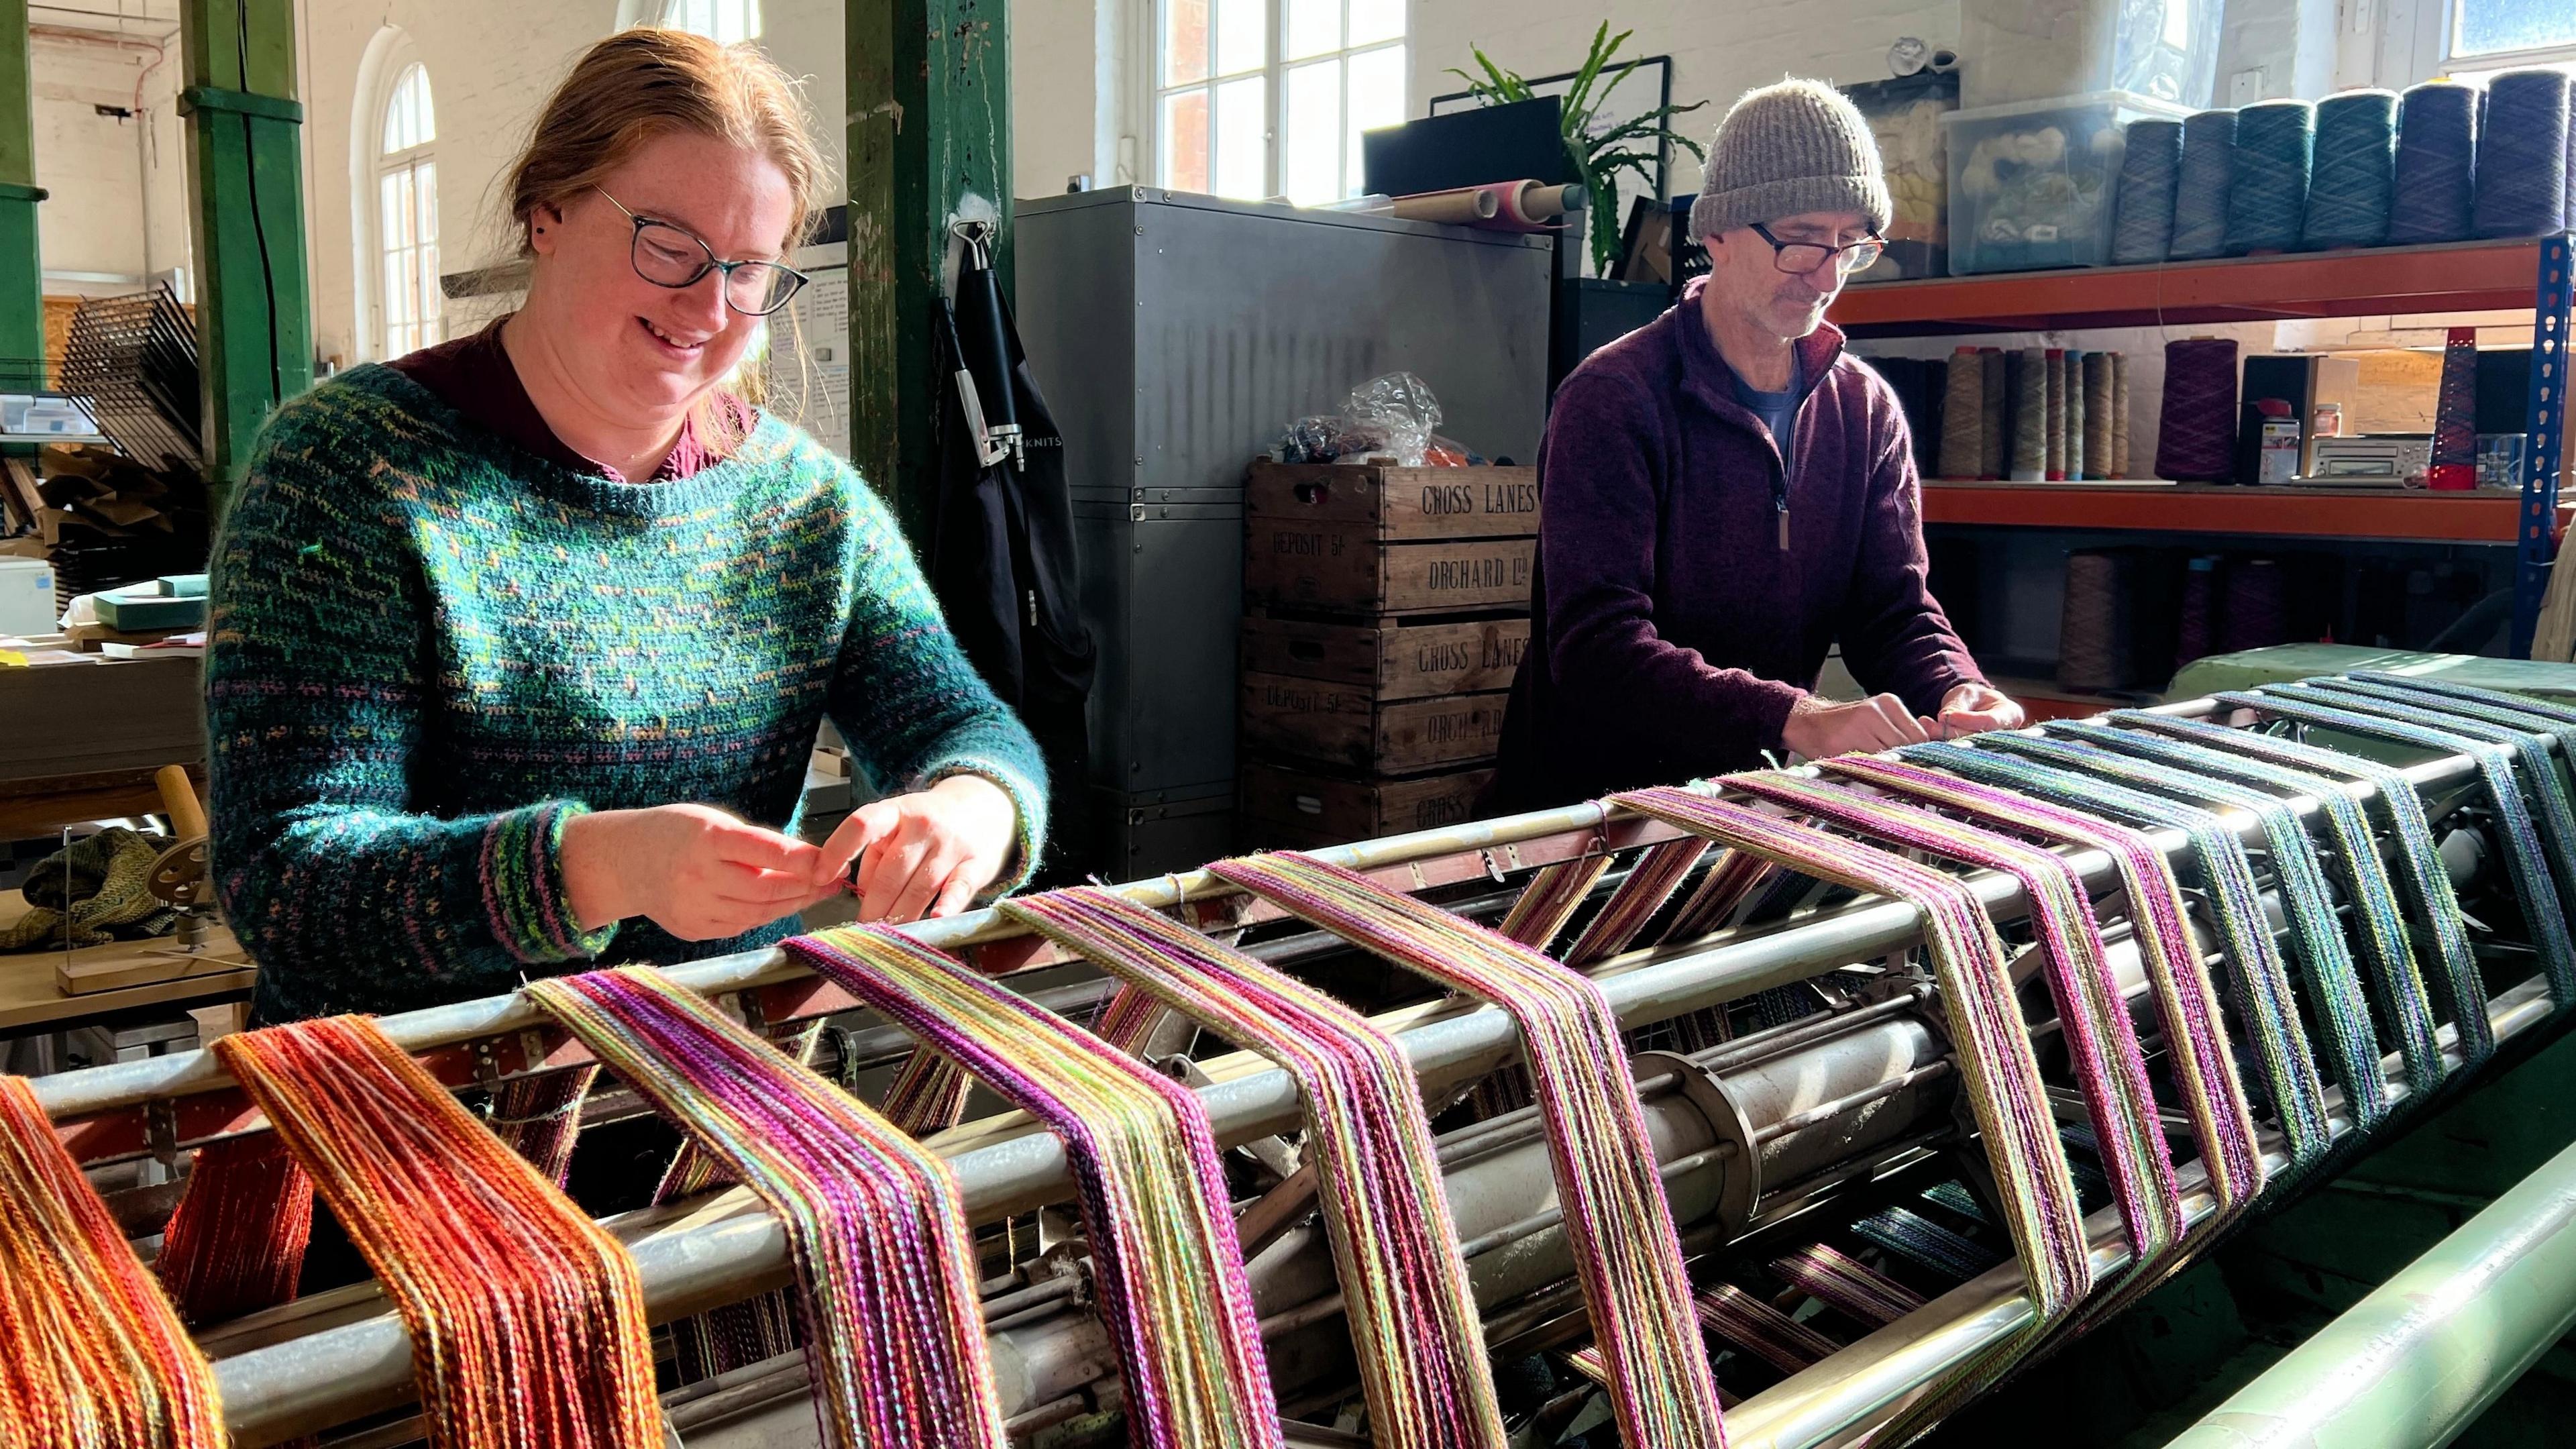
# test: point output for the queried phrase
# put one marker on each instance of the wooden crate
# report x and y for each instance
(1391, 658)
(1346, 726)
(1331, 568)
(1287, 805)
(1396, 503)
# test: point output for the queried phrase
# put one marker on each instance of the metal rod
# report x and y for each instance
(2420, 1358)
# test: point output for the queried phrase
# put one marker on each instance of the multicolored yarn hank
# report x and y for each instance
(2526, 734)
(2518, 837)
(91, 1354)
(1924, 1243)
(1734, 879)
(1168, 1265)
(1616, 1217)
(2316, 932)
(2378, 924)
(2261, 978)
(1747, 1323)
(883, 1258)
(1659, 871)
(236, 1242)
(2204, 1067)
(2416, 861)
(1386, 1210)
(526, 1318)
(2101, 1042)
(1999, 1075)
(1846, 1284)
(1550, 899)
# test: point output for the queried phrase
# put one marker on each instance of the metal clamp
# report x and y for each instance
(161, 1129)
(1706, 1091)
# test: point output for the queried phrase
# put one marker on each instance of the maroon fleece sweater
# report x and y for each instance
(1671, 630)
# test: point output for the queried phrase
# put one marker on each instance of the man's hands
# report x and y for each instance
(1819, 729)
(1971, 709)
(704, 875)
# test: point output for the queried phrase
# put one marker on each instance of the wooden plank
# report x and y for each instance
(1397, 503)
(69, 719)
(1335, 724)
(1287, 806)
(1391, 659)
(2282, 512)
(1331, 568)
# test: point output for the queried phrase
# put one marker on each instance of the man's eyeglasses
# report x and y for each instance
(1800, 258)
(670, 256)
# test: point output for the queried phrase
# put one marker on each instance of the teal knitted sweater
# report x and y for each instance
(428, 649)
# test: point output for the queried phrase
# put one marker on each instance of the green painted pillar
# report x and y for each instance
(246, 208)
(930, 124)
(22, 273)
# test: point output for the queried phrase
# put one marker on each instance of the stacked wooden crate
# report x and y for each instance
(1385, 612)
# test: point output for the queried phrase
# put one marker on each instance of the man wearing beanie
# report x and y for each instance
(1727, 494)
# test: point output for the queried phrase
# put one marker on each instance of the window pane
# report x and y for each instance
(1376, 93)
(424, 122)
(1242, 137)
(397, 288)
(1314, 27)
(2487, 26)
(1185, 41)
(430, 299)
(1242, 36)
(1310, 156)
(425, 189)
(1376, 20)
(389, 216)
(1185, 141)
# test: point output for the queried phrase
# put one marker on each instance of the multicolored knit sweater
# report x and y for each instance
(429, 648)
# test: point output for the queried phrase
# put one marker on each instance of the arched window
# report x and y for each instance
(722, 21)
(407, 216)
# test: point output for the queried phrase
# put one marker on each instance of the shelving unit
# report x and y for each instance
(2531, 272)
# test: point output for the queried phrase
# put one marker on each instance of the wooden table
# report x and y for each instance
(31, 1001)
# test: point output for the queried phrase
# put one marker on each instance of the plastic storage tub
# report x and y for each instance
(2032, 184)
(2028, 50)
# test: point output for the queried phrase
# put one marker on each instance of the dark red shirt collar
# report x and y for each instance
(474, 375)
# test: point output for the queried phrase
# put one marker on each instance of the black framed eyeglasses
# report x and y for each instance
(674, 257)
(1800, 258)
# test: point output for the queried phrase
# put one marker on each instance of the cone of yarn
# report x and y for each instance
(2201, 186)
(2257, 611)
(2197, 619)
(2030, 415)
(2437, 155)
(2098, 415)
(2149, 169)
(2197, 442)
(2120, 415)
(2455, 415)
(2053, 385)
(1994, 428)
(2267, 189)
(2093, 641)
(2522, 155)
(2076, 463)
(1963, 412)
(2350, 190)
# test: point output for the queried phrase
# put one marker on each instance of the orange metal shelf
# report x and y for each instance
(2454, 277)
(2483, 517)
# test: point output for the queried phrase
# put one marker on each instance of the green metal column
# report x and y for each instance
(245, 178)
(22, 274)
(930, 124)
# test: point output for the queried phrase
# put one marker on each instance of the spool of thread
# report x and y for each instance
(2197, 443)
(2195, 617)
(2355, 177)
(2053, 389)
(2267, 190)
(1994, 429)
(1963, 415)
(2030, 416)
(2148, 171)
(2455, 415)
(2093, 630)
(2257, 610)
(2201, 186)
(2075, 421)
(2120, 415)
(2097, 415)
(2522, 155)
(2437, 151)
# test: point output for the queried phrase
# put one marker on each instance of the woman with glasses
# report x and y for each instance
(520, 643)
(1728, 495)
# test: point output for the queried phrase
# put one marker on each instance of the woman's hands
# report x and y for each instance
(923, 854)
(703, 875)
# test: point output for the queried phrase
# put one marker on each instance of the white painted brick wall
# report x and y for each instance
(91, 163)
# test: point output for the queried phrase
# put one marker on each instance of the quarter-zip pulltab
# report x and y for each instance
(1780, 511)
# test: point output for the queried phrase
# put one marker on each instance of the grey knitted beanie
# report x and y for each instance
(1797, 146)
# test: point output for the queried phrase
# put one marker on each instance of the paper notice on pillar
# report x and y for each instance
(809, 371)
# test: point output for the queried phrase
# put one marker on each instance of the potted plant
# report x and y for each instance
(1601, 150)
